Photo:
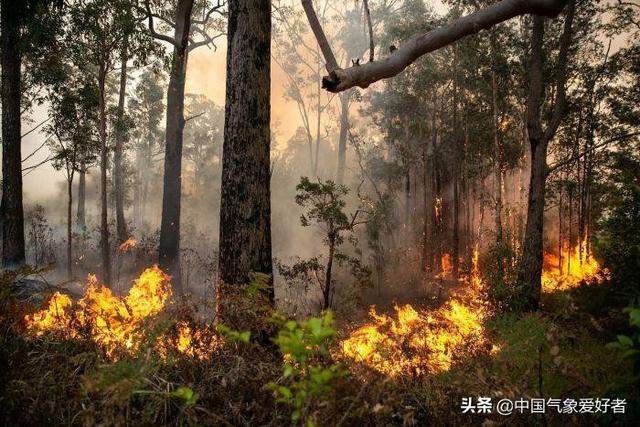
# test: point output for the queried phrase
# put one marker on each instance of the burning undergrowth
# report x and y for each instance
(121, 325)
(422, 342)
(570, 269)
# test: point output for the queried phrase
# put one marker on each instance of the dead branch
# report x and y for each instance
(362, 76)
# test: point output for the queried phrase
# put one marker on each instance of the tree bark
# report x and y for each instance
(169, 250)
(530, 269)
(69, 227)
(326, 292)
(82, 189)
(104, 220)
(245, 212)
(13, 250)
(498, 153)
(121, 225)
(342, 140)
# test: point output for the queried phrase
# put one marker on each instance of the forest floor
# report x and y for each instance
(409, 363)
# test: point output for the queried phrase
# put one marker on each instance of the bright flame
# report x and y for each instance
(113, 322)
(445, 265)
(56, 317)
(127, 245)
(417, 342)
(438, 208)
(576, 268)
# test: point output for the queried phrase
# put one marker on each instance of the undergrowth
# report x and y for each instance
(561, 352)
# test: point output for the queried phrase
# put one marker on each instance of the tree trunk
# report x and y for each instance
(69, 227)
(455, 252)
(425, 210)
(82, 189)
(560, 231)
(498, 158)
(326, 292)
(169, 250)
(104, 222)
(245, 211)
(13, 252)
(121, 225)
(342, 140)
(530, 269)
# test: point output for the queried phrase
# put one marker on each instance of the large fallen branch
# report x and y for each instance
(340, 79)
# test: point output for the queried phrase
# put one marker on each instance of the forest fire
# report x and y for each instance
(576, 268)
(445, 265)
(113, 322)
(420, 343)
(127, 245)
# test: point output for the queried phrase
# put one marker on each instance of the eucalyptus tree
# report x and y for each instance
(146, 109)
(27, 29)
(245, 208)
(73, 140)
(97, 31)
(194, 23)
(530, 268)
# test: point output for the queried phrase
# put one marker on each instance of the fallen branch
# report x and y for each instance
(362, 76)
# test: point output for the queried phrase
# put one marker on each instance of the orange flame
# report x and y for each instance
(446, 267)
(56, 317)
(127, 245)
(115, 323)
(576, 268)
(418, 342)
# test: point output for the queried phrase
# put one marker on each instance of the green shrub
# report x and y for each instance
(308, 371)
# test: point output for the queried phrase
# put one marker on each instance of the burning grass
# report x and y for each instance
(116, 324)
(413, 342)
(569, 271)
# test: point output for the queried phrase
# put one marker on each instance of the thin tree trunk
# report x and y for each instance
(245, 211)
(104, 223)
(121, 225)
(342, 140)
(498, 158)
(425, 209)
(13, 250)
(82, 189)
(169, 249)
(326, 304)
(69, 227)
(560, 230)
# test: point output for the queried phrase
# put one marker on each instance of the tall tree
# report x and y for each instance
(146, 109)
(73, 108)
(530, 269)
(245, 213)
(28, 30)
(13, 254)
(96, 34)
(185, 27)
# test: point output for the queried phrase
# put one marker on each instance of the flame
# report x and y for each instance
(445, 265)
(438, 208)
(576, 269)
(55, 318)
(416, 342)
(113, 322)
(127, 245)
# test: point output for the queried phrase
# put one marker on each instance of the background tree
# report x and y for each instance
(73, 136)
(190, 32)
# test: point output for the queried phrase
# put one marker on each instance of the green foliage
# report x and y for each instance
(629, 346)
(324, 204)
(232, 335)
(618, 241)
(307, 372)
(499, 274)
